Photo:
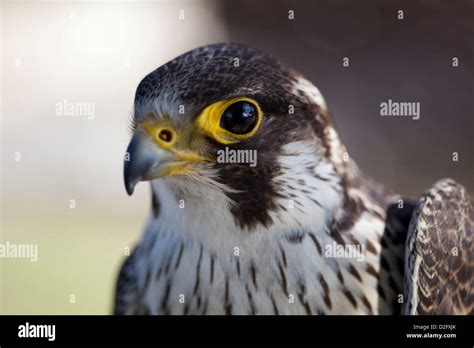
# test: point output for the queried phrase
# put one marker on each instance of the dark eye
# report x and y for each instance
(240, 118)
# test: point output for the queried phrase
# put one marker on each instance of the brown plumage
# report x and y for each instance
(439, 275)
(301, 232)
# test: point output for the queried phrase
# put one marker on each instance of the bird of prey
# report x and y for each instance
(301, 230)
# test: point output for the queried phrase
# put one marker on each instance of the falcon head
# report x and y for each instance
(229, 119)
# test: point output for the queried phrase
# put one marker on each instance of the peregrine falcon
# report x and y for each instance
(298, 231)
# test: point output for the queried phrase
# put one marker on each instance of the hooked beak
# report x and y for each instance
(145, 161)
(156, 150)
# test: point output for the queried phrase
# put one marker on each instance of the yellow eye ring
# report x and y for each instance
(209, 121)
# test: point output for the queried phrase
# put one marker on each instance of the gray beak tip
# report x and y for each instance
(130, 180)
(129, 187)
(143, 156)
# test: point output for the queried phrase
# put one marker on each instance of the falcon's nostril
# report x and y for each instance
(165, 135)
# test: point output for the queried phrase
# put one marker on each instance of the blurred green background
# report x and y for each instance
(79, 254)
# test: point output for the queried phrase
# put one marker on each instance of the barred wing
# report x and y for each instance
(439, 260)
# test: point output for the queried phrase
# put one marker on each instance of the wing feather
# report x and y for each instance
(439, 260)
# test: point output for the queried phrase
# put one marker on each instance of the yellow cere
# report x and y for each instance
(155, 130)
(174, 142)
(210, 118)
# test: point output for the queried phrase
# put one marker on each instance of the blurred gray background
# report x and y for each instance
(96, 52)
